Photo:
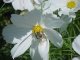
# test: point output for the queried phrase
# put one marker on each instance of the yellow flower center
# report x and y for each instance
(71, 4)
(37, 29)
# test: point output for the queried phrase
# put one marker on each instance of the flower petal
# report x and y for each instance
(21, 47)
(7, 1)
(28, 20)
(76, 58)
(43, 49)
(13, 34)
(22, 4)
(34, 50)
(38, 1)
(72, 14)
(76, 44)
(49, 7)
(46, 7)
(17, 4)
(66, 20)
(51, 22)
(78, 5)
(54, 37)
(28, 5)
(54, 5)
(39, 49)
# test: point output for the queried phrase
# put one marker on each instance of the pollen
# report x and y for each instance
(71, 4)
(37, 29)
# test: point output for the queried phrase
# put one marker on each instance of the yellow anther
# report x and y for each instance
(71, 4)
(37, 29)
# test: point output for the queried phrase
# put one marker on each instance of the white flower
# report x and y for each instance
(33, 30)
(76, 44)
(25, 4)
(76, 58)
(67, 7)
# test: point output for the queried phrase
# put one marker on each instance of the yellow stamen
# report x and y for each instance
(71, 4)
(37, 29)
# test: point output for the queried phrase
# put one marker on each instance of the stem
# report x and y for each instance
(2, 6)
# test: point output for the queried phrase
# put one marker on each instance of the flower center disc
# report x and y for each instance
(71, 4)
(37, 29)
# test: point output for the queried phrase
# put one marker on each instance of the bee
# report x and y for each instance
(40, 35)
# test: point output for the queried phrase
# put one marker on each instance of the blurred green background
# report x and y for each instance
(64, 53)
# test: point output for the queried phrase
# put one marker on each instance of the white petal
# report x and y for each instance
(28, 5)
(67, 19)
(48, 10)
(49, 7)
(34, 53)
(76, 44)
(21, 47)
(7, 1)
(72, 14)
(58, 3)
(38, 1)
(28, 20)
(64, 11)
(22, 4)
(37, 50)
(13, 34)
(76, 58)
(78, 5)
(44, 49)
(54, 5)
(54, 37)
(51, 21)
(46, 5)
(17, 4)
